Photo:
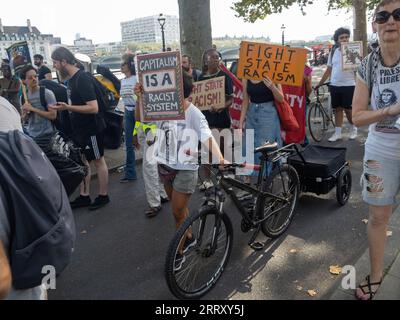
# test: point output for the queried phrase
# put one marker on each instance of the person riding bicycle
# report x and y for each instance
(180, 173)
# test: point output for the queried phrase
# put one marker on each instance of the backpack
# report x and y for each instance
(41, 220)
(334, 48)
(102, 95)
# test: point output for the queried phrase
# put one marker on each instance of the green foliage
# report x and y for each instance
(252, 10)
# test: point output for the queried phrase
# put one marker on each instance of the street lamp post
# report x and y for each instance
(161, 21)
(283, 34)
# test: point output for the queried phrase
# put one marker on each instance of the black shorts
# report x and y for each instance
(342, 97)
(93, 147)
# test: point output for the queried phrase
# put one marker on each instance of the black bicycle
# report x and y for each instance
(200, 249)
(319, 117)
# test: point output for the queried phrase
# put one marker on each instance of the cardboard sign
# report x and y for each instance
(209, 93)
(283, 65)
(19, 56)
(352, 55)
(161, 77)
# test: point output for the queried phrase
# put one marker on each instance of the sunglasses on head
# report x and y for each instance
(383, 16)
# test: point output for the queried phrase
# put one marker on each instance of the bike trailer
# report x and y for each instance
(318, 167)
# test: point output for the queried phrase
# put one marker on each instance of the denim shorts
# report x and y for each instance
(380, 181)
(182, 181)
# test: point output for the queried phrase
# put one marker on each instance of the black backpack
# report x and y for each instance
(102, 95)
(41, 219)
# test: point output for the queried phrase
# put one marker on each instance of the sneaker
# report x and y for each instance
(164, 200)
(126, 180)
(99, 202)
(335, 138)
(81, 202)
(189, 244)
(353, 134)
(179, 261)
(207, 184)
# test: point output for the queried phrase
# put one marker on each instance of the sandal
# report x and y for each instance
(152, 212)
(369, 285)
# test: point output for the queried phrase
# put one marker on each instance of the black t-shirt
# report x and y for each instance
(259, 92)
(43, 70)
(81, 89)
(219, 120)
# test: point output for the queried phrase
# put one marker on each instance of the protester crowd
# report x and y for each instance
(27, 106)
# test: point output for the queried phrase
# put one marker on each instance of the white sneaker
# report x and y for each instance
(207, 184)
(353, 134)
(335, 138)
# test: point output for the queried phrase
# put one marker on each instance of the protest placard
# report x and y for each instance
(209, 93)
(161, 77)
(283, 65)
(19, 56)
(352, 55)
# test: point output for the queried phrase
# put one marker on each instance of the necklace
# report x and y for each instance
(383, 62)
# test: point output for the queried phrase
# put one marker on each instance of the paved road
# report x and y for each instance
(120, 253)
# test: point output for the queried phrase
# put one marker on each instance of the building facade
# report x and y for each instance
(38, 43)
(148, 30)
(109, 49)
(85, 46)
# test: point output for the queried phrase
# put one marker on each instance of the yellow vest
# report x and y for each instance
(145, 128)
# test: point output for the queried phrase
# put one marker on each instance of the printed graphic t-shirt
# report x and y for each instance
(176, 138)
(127, 93)
(340, 78)
(384, 137)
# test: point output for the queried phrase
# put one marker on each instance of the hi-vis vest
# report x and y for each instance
(145, 128)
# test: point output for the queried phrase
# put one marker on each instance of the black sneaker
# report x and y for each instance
(164, 200)
(99, 202)
(81, 202)
(189, 244)
(179, 261)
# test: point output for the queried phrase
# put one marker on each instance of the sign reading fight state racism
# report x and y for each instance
(281, 64)
(161, 77)
(209, 93)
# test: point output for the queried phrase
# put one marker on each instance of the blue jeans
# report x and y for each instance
(264, 120)
(129, 126)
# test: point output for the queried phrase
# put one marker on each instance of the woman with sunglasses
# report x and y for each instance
(128, 98)
(378, 74)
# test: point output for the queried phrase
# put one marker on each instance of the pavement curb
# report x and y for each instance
(390, 288)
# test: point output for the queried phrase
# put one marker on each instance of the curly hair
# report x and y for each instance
(339, 32)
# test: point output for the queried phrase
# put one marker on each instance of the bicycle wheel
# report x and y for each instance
(202, 265)
(343, 187)
(283, 182)
(316, 122)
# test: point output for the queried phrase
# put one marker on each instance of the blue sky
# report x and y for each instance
(99, 21)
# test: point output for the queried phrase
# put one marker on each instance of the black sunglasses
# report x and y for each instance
(383, 16)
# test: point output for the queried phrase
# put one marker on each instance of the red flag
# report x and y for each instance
(236, 108)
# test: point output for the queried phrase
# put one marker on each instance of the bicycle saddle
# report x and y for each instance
(267, 147)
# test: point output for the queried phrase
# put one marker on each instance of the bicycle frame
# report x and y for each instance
(226, 184)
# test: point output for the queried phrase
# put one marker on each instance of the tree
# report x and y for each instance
(251, 10)
(195, 25)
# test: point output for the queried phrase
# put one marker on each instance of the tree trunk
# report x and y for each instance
(195, 25)
(360, 16)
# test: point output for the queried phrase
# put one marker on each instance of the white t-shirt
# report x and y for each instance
(340, 78)
(176, 138)
(127, 92)
(384, 137)
(9, 117)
